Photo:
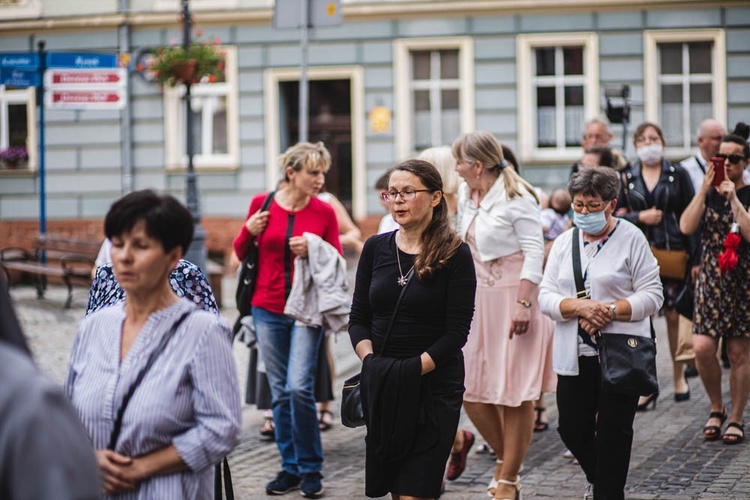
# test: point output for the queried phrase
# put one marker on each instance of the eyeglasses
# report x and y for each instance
(594, 206)
(406, 194)
(735, 159)
(596, 137)
(648, 140)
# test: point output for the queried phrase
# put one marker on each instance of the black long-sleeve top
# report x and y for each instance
(435, 314)
(672, 194)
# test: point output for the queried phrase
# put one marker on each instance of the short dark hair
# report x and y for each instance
(595, 181)
(606, 158)
(167, 220)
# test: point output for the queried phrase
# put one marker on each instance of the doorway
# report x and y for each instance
(330, 121)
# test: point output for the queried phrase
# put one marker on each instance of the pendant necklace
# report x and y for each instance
(401, 280)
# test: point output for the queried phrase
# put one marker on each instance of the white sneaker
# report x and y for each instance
(589, 491)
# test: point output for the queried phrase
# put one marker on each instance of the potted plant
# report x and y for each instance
(13, 156)
(174, 65)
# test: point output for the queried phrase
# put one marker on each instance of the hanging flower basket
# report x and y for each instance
(200, 61)
(185, 72)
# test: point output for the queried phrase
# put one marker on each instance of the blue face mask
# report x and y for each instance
(592, 222)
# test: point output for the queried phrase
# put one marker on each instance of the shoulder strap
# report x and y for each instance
(395, 309)
(267, 201)
(577, 274)
(155, 354)
(626, 191)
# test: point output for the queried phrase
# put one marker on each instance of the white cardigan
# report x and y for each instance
(624, 268)
(504, 226)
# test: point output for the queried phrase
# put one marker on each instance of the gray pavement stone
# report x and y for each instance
(670, 459)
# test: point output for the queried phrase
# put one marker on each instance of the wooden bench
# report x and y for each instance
(69, 260)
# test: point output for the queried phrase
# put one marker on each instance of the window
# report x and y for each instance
(20, 9)
(215, 121)
(434, 82)
(17, 125)
(685, 81)
(558, 89)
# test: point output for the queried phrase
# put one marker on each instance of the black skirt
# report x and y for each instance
(420, 473)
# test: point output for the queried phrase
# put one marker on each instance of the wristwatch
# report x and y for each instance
(613, 310)
(524, 303)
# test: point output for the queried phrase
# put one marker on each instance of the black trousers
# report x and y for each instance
(597, 427)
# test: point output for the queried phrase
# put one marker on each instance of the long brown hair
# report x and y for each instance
(439, 241)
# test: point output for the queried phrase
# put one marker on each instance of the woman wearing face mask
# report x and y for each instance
(623, 289)
(653, 195)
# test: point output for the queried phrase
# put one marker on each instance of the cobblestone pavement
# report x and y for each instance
(670, 459)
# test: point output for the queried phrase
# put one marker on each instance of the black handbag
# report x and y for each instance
(352, 415)
(627, 362)
(247, 275)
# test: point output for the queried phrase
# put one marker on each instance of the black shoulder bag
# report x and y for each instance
(352, 415)
(248, 273)
(628, 362)
(125, 400)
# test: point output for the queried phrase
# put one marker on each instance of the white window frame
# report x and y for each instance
(527, 127)
(403, 85)
(174, 128)
(20, 96)
(651, 39)
(272, 78)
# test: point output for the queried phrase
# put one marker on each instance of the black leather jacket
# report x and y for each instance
(672, 194)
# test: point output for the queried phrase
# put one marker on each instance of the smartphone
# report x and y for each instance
(718, 170)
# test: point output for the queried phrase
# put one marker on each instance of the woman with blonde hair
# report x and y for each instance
(506, 353)
(290, 349)
(442, 158)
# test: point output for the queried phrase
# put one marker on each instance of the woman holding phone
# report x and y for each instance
(653, 195)
(722, 297)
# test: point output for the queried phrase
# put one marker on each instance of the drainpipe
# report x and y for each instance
(126, 123)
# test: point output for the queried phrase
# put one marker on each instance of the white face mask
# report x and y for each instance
(650, 154)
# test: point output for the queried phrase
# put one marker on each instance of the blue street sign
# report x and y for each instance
(19, 78)
(81, 60)
(20, 60)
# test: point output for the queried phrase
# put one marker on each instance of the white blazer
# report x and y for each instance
(504, 226)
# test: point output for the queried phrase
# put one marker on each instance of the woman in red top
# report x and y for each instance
(290, 350)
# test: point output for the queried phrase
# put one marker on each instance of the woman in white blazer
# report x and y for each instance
(621, 277)
(507, 361)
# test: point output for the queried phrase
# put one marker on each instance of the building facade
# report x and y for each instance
(395, 77)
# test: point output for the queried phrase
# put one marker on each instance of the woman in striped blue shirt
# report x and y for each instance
(185, 414)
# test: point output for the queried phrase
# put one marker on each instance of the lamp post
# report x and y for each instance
(197, 251)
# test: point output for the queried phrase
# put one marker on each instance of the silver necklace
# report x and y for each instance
(401, 280)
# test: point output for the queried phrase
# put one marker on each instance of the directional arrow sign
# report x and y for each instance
(85, 99)
(90, 79)
(21, 60)
(19, 78)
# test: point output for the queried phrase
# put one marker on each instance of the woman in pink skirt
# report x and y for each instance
(507, 362)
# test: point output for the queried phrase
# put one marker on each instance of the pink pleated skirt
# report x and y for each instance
(500, 370)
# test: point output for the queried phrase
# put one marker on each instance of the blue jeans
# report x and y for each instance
(290, 353)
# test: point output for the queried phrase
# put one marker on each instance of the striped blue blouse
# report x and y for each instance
(190, 397)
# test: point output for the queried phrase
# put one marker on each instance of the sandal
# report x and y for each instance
(268, 431)
(539, 424)
(325, 423)
(713, 432)
(734, 438)
(516, 484)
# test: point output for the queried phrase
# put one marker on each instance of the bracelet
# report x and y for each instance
(524, 303)
(613, 310)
